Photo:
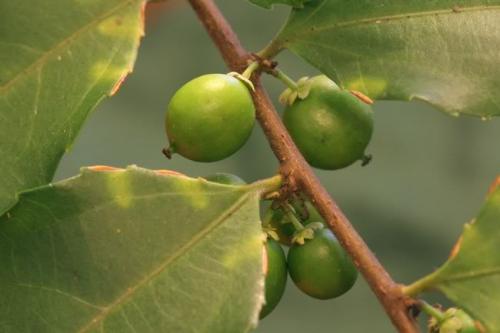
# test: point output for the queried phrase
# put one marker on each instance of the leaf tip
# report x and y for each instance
(103, 168)
(118, 84)
(362, 97)
(494, 186)
(165, 172)
(479, 326)
(139, 36)
(456, 248)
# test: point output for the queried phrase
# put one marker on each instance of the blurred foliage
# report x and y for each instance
(429, 175)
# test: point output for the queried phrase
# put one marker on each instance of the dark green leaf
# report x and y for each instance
(269, 3)
(132, 251)
(443, 52)
(58, 60)
(471, 277)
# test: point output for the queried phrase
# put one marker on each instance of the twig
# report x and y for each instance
(299, 174)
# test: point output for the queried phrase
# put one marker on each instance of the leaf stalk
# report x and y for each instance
(421, 285)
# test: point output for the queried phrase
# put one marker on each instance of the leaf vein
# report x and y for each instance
(168, 260)
(473, 275)
(60, 292)
(389, 18)
(70, 38)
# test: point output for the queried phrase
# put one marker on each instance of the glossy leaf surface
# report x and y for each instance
(269, 3)
(444, 52)
(58, 60)
(132, 251)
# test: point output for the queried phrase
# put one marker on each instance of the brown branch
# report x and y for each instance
(299, 174)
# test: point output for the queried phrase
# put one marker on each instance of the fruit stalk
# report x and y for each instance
(285, 79)
(432, 311)
(300, 176)
(291, 216)
(250, 69)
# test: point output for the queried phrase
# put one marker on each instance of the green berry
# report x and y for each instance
(331, 127)
(210, 118)
(321, 268)
(456, 321)
(276, 276)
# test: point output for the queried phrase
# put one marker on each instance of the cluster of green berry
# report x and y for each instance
(316, 262)
(212, 116)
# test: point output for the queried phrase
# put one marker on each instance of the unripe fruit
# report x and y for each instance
(468, 324)
(210, 118)
(276, 276)
(321, 268)
(283, 226)
(455, 321)
(331, 127)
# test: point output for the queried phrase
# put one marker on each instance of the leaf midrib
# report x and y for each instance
(67, 40)
(129, 292)
(471, 275)
(388, 18)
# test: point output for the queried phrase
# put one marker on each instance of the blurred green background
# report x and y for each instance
(429, 175)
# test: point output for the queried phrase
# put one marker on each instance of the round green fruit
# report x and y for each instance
(331, 127)
(283, 226)
(225, 179)
(459, 321)
(468, 324)
(210, 118)
(276, 276)
(321, 268)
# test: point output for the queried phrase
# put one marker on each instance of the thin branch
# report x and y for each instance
(300, 175)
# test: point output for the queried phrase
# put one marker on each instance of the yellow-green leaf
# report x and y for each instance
(269, 3)
(132, 251)
(58, 59)
(471, 277)
(443, 52)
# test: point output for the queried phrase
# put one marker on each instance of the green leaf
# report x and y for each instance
(471, 277)
(58, 60)
(443, 52)
(132, 251)
(268, 4)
